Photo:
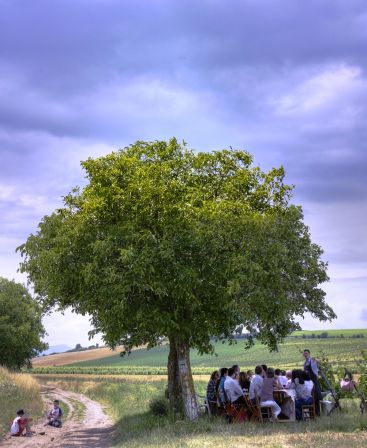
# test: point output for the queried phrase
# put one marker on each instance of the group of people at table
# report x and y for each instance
(298, 388)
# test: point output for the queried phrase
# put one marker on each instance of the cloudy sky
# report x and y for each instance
(284, 79)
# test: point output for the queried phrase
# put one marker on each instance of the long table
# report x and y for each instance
(286, 400)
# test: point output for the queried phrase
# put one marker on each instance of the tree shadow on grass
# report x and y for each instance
(140, 428)
(90, 437)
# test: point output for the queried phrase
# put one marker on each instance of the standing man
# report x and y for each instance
(311, 367)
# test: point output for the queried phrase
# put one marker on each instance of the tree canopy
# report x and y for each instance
(21, 327)
(164, 241)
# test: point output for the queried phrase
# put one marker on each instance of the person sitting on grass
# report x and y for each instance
(54, 416)
(21, 425)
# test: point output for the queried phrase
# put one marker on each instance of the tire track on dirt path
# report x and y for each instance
(94, 430)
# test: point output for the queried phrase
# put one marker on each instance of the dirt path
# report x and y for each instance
(86, 425)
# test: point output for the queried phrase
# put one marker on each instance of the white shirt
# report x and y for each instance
(309, 386)
(255, 386)
(232, 389)
(15, 426)
(283, 380)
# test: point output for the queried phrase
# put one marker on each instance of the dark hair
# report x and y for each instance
(348, 376)
(223, 370)
(264, 367)
(20, 412)
(236, 367)
(244, 380)
(306, 350)
(283, 373)
(230, 371)
(258, 370)
(212, 376)
(270, 372)
(297, 373)
(56, 402)
(277, 371)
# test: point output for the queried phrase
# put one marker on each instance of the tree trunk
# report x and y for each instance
(174, 389)
(187, 389)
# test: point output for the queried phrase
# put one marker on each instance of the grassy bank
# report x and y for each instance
(18, 391)
(128, 403)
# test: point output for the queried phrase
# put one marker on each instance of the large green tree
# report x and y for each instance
(163, 241)
(21, 327)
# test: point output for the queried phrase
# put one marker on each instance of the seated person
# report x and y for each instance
(55, 414)
(281, 377)
(250, 374)
(222, 397)
(233, 389)
(303, 394)
(347, 384)
(244, 381)
(211, 391)
(256, 385)
(270, 383)
(308, 382)
(288, 375)
(20, 426)
(237, 371)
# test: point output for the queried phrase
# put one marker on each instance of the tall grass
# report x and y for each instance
(18, 390)
(128, 403)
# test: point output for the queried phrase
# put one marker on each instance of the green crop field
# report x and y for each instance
(341, 347)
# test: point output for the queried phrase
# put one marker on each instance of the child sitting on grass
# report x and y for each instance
(21, 425)
(54, 416)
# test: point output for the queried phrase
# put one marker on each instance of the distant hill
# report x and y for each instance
(61, 359)
(56, 349)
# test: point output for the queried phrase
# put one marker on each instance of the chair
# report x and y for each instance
(266, 413)
(278, 397)
(253, 410)
(205, 406)
(308, 411)
(235, 413)
(257, 412)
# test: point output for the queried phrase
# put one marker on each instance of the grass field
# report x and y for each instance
(128, 404)
(18, 391)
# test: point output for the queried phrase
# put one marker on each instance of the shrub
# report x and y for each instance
(159, 406)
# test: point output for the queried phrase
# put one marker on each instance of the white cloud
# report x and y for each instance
(321, 91)
(68, 328)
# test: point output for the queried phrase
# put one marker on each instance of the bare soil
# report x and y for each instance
(92, 430)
